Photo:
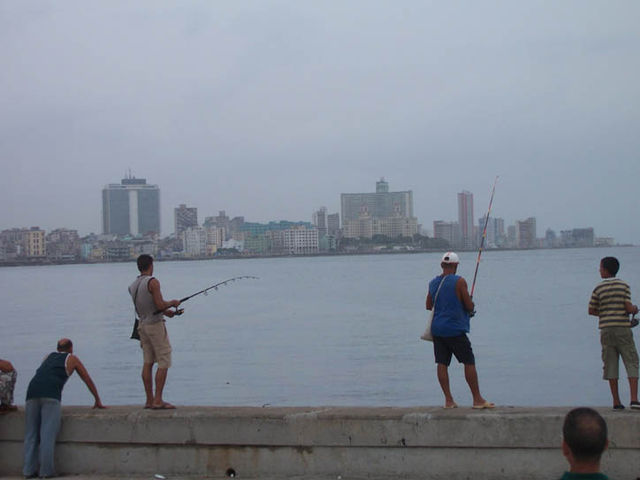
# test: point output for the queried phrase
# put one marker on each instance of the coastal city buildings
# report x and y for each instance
(372, 222)
(131, 207)
(381, 213)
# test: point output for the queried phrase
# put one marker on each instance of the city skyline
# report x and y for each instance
(273, 112)
(465, 211)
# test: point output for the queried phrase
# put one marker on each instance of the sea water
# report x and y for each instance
(337, 330)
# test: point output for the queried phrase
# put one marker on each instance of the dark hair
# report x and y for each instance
(611, 265)
(144, 262)
(585, 432)
(64, 345)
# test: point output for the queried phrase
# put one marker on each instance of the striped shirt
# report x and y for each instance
(608, 298)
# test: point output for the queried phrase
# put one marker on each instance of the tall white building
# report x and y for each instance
(131, 207)
(465, 219)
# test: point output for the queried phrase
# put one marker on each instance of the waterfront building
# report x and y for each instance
(184, 217)
(465, 220)
(33, 242)
(577, 237)
(525, 231)
(215, 237)
(258, 244)
(449, 231)
(11, 241)
(254, 228)
(231, 225)
(300, 240)
(131, 207)
(63, 244)
(333, 224)
(23, 242)
(361, 227)
(604, 242)
(364, 214)
(495, 232)
(320, 221)
(194, 242)
(511, 236)
(550, 239)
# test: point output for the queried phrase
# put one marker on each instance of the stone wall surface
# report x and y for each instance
(361, 442)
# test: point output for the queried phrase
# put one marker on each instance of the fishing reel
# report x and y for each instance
(472, 313)
(179, 311)
(634, 321)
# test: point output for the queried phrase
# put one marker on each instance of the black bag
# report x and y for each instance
(135, 335)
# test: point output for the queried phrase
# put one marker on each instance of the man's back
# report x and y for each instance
(609, 298)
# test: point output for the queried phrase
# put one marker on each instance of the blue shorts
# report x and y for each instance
(460, 346)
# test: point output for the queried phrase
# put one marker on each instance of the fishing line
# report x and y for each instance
(206, 290)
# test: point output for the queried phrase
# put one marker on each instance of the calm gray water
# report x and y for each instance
(323, 330)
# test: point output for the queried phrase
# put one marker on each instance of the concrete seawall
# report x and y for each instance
(423, 442)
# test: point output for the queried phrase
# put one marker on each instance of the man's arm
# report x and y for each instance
(161, 303)
(629, 307)
(429, 304)
(75, 365)
(594, 304)
(463, 294)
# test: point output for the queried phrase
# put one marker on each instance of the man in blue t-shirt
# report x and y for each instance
(449, 297)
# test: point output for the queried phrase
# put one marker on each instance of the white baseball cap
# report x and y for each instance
(450, 257)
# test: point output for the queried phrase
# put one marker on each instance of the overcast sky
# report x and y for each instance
(271, 109)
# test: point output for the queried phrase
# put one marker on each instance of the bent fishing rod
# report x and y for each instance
(205, 290)
(484, 235)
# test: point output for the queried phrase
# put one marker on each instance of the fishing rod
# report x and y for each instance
(205, 290)
(484, 234)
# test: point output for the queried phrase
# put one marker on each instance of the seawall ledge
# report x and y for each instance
(320, 442)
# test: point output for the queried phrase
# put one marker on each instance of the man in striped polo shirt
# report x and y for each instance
(611, 302)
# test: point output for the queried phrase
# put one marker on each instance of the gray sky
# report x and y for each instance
(271, 109)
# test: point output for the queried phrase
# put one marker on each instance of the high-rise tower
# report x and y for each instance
(184, 217)
(465, 219)
(131, 207)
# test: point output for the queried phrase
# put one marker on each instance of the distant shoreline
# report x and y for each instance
(46, 262)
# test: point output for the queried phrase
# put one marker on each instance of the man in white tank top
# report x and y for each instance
(154, 340)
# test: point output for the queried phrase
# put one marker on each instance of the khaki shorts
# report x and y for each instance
(155, 345)
(618, 342)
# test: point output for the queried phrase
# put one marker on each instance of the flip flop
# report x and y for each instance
(484, 406)
(455, 405)
(164, 406)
